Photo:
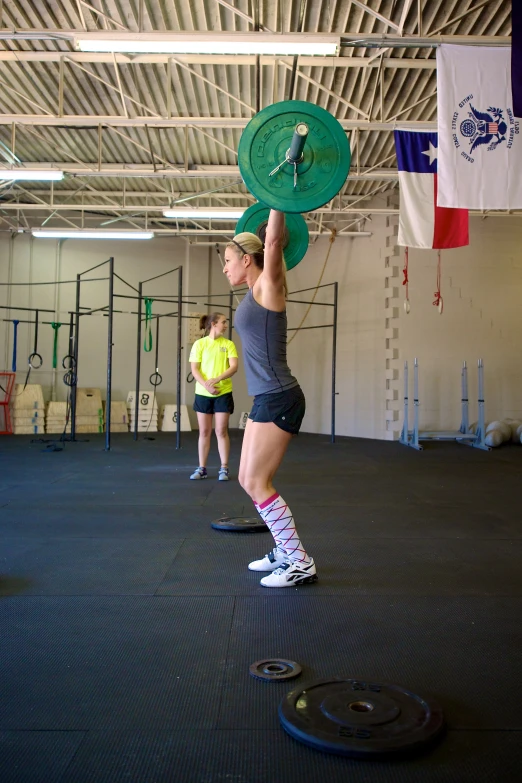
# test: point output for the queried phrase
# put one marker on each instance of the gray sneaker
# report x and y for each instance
(223, 474)
(199, 473)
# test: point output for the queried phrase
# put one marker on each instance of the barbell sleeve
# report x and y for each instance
(298, 143)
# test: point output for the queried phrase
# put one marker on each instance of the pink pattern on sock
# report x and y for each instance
(280, 522)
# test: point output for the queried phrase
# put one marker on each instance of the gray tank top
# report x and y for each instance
(263, 337)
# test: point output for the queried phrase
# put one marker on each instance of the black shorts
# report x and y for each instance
(222, 404)
(286, 409)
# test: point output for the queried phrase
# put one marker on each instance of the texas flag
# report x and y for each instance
(421, 222)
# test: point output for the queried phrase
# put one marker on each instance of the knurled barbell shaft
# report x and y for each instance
(298, 143)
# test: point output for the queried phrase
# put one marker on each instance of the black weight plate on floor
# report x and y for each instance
(360, 719)
(239, 525)
(273, 669)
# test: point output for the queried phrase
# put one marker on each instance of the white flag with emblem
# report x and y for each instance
(480, 145)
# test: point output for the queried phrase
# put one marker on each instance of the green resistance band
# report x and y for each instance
(55, 326)
(147, 345)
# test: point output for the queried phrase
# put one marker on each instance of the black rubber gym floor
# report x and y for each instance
(129, 624)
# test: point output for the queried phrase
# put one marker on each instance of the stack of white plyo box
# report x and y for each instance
(147, 410)
(169, 418)
(89, 411)
(56, 418)
(119, 416)
(28, 410)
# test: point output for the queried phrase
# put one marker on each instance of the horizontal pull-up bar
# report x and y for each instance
(28, 309)
(166, 301)
(161, 315)
(10, 321)
(59, 282)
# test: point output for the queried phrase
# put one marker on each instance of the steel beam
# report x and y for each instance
(92, 120)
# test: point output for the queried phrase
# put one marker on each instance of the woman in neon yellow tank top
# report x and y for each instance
(213, 361)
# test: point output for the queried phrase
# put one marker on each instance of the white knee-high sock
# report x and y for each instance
(279, 520)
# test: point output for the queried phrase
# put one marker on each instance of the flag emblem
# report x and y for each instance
(481, 128)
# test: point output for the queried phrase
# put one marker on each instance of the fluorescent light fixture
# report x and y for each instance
(43, 175)
(65, 233)
(203, 213)
(209, 43)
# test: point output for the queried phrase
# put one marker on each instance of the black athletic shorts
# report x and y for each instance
(222, 404)
(286, 409)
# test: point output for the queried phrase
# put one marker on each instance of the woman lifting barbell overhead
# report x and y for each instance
(279, 403)
(213, 361)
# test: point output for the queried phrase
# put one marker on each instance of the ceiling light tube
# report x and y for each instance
(210, 43)
(65, 233)
(43, 175)
(203, 213)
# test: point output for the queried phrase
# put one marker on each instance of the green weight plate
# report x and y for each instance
(322, 172)
(255, 219)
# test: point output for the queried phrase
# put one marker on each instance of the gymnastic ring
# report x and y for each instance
(71, 364)
(69, 378)
(190, 378)
(31, 359)
(155, 379)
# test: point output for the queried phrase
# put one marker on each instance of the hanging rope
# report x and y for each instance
(147, 345)
(55, 326)
(439, 302)
(332, 240)
(15, 341)
(406, 281)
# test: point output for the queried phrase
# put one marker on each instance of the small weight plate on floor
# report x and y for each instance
(240, 525)
(360, 719)
(274, 669)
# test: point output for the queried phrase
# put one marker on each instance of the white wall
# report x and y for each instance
(482, 292)
(357, 265)
(481, 286)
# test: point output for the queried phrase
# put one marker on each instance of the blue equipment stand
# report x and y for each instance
(463, 434)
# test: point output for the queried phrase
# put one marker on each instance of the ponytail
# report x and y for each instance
(206, 321)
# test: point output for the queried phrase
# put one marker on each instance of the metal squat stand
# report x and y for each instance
(463, 434)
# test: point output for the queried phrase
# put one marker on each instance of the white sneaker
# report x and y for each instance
(291, 574)
(269, 562)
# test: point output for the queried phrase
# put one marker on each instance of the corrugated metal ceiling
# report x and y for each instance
(103, 117)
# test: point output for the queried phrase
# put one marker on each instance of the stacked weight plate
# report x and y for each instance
(28, 410)
(147, 410)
